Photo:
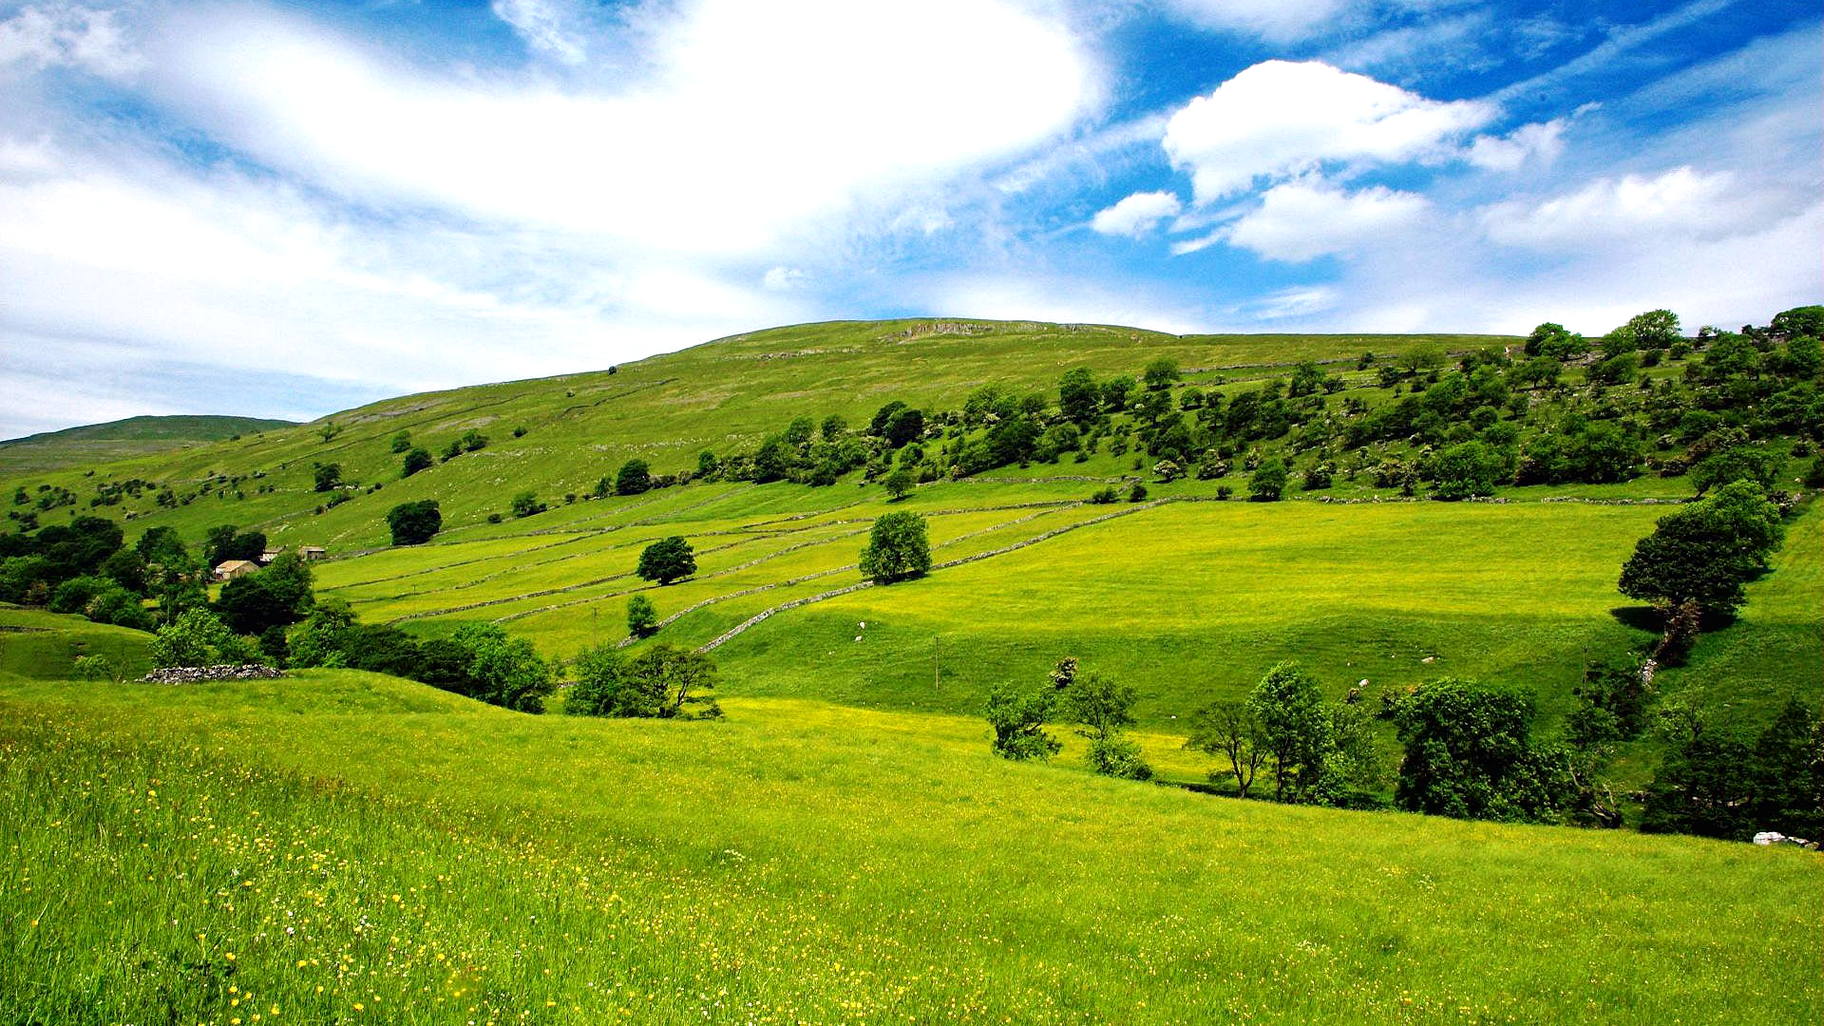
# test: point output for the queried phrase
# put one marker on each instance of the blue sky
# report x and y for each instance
(287, 209)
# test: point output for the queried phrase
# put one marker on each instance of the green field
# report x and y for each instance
(351, 848)
(93, 444)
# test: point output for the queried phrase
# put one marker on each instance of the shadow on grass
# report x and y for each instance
(1650, 618)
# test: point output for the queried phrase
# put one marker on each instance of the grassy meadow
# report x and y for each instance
(343, 847)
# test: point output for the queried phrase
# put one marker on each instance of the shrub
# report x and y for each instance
(667, 560)
(642, 618)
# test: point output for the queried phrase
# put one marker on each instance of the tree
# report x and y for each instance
(1161, 373)
(672, 681)
(604, 688)
(1079, 399)
(526, 504)
(197, 638)
(1705, 552)
(1268, 482)
(1019, 721)
(419, 458)
(1293, 727)
(505, 671)
(642, 618)
(633, 478)
(414, 523)
(1655, 329)
(898, 484)
(667, 560)
(1469, 754)
(1232, 730)
(897, 549)
(1788, 774)
(1103, 709)
(225, 543)
(905, 427)
(1466, 470)
(1704, 784)
(327, 475)
(402, 441)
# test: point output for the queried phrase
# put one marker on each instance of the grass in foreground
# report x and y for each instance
(350, 848)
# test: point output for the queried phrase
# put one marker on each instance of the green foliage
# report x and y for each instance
(507, 672)
(418, 458)
(1018, 720)
(642, 618)
(526, 504)
(1705, 552)
(1231, 729)
(661, 682)
(414, 523)
(1161, 373)
(899, 483)
(898, 548)
(327, 476)
(198, 638)
(1293, 727)
(1469, 753)
(1103, 708)
(667, 560)
(634, 477)
(1268, 482)
(402, 442)
(1466, 470)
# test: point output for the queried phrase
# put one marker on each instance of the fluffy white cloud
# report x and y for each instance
(52, 34)
(1304, 220)
(1137, 214)
(1631, 207)
(1280, 118)
(784, 279)
(1277, 20)
(751, 125)
(1541, 143)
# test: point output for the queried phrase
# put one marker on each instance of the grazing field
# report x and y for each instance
(122, 439)
(343, 847)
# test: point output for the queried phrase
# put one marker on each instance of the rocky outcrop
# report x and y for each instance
(203, 674)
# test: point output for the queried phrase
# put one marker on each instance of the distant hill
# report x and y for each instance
(123, 439)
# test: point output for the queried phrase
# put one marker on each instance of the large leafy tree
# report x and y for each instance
(898, 548)
(1469, 753)
(1294, 727)
(414, 523)
(667, 560)
(1705, 552)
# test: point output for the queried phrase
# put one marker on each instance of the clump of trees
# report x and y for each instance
(1101, 708)
(642, 618)
(660, 682)
(898, 548)
(1317, 752)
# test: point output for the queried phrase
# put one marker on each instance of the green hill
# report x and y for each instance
(92, 444)
(1188, 599)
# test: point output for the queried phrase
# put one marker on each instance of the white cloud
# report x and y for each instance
(1304, 220)
(1137, 214)
(754, 124)
(1277, 20)
(1541, 142)
(52, 34)
(545, 26)
(1279, 118)
(1631, 207)
(784, 279)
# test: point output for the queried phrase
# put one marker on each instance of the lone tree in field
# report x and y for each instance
(327, 476)
(668, 560)
(1232, 730)
(1705, 552)
(414, 523)
(418, 458)
(1019, 720)
(642, 618)
(1104, 708)
(633, 478)
(898, 548)
(898, 484)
